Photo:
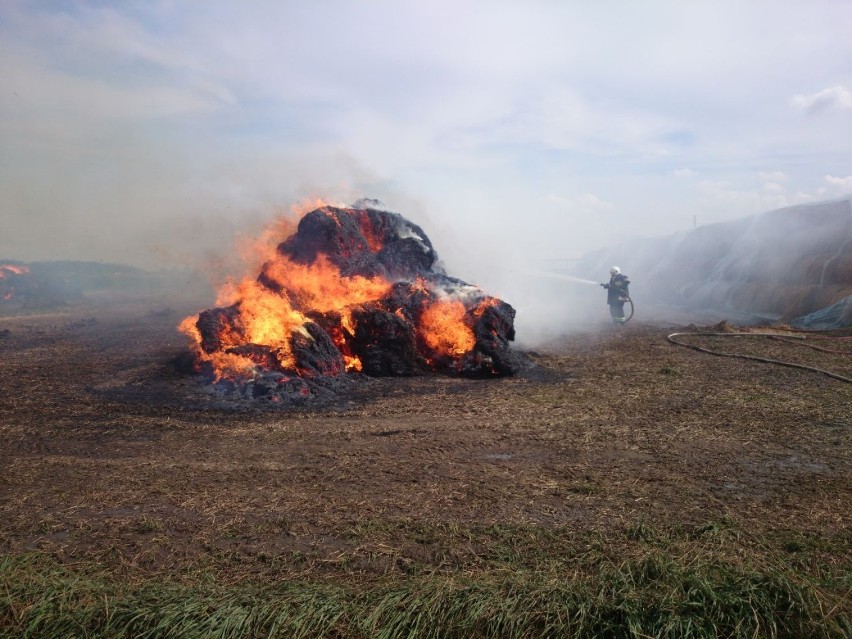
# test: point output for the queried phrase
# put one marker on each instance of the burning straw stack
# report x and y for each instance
(353, 290)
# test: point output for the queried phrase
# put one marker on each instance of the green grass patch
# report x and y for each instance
(653, 595)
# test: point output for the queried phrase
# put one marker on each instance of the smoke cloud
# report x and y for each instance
(158, 133)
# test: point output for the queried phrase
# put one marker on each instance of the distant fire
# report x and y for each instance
(12, 268)
(353, 289)
(9, 273)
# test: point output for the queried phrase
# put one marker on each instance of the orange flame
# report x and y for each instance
(254, 251)
(271, 317)
(484, 304)
(321, 287)
(443, 328)
(13, 268)
(373, 239)
(269, 311)
(352, 363)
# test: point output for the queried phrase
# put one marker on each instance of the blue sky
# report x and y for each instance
(152, 132)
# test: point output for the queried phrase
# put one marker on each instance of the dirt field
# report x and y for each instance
(110, 455)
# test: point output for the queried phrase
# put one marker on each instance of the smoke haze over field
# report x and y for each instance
(153, 133)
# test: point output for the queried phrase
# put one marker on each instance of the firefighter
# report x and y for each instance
(617, 294)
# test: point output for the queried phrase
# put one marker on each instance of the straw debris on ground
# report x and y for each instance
(623, 486)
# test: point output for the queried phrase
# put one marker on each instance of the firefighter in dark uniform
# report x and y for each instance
(617, 294)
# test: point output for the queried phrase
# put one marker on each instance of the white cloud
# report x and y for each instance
(836, 97)
(683, 173)
(587, 202)
(772, 188)
(773, 176)
(841, 185)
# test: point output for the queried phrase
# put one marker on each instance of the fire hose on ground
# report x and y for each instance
(627, 300)
(624, 298)
(766, 360)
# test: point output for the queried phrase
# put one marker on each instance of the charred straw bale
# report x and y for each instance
(213, 323)
(316, 353)
(384, 342)
(382, 337)
(364, 242)
(261, 355)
